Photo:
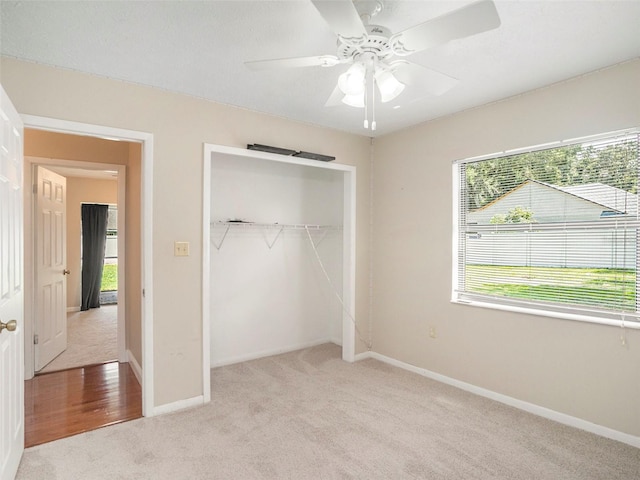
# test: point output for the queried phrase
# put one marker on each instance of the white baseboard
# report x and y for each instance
(267, 353)
(512, 402)
(363, 356)
(73, 309)
(179, 405)
(135, 366)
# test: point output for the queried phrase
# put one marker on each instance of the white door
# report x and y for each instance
(50, 267)
(11, 290)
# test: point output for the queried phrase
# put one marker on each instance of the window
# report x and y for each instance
(551, 230)
(111, 248)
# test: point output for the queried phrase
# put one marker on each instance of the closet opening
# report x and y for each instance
(279, 255)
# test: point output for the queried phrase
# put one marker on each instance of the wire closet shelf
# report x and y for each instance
(278, 227)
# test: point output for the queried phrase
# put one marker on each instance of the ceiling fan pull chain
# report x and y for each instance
(366, 103)
(373, 103)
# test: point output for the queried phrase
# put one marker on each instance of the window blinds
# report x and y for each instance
(555, 228)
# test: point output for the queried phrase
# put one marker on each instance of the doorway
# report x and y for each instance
(84, 182)
(136, 346)
(92, 335)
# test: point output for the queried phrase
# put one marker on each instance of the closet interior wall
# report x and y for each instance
(269, 293)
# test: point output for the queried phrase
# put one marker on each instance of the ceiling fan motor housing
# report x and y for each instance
(376, 44)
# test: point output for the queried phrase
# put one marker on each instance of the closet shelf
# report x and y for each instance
(269, 226)
(294, 226)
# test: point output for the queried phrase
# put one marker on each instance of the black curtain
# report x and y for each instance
(94, 240)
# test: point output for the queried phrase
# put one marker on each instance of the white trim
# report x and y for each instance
(206, 277)
(559, 310)
(269, 353)
(147, 277)
(29, 272)
(241, 152)
(122, 262)
(371, 242)
(554, 144)
(349, 267)
(135, 366)
(146, 139)
(513, 402)
(455, 232)
(75, 128)
(632, 322)
(349, 260)
(363, 356)
(73, 309)
(179, 405)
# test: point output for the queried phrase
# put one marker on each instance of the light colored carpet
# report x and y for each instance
(309, 415)
(91, 338)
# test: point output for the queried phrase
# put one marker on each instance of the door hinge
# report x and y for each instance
(143, 292)
(35, 188)
(35, 339)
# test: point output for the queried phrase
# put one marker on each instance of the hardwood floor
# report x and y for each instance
(61, 404)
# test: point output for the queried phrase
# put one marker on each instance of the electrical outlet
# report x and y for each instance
(432, 332)
(181, 249)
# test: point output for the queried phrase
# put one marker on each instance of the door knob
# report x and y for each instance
(11, 325)
(66, 272)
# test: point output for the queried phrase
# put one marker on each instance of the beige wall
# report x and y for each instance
(180, 126)
(572, 367)
(43, 144)
(79, 191)
(40, 143)
(577, 368)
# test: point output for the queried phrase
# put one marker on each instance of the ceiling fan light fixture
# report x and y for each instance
(351, 82)
(354, 100)
(390, 87)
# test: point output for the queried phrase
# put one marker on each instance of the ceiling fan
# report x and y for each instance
(375, 54)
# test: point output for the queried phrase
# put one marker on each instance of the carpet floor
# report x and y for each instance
(309, 415)
(91, 338)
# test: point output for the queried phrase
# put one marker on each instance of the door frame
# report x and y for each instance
(30, 163)
(117, 134)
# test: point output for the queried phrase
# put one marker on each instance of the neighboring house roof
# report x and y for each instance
(613, 198)
(583, 202)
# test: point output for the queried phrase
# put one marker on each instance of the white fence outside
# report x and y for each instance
(111, 249)
(603, 249)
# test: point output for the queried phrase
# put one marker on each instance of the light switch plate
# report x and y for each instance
(181, 249)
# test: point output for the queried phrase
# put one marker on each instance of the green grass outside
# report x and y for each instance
(109, 278)
(598, 287)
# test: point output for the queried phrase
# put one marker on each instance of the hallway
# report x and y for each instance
(64, 403)
(91, 339)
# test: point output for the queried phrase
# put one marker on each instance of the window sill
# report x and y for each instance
(632, 324)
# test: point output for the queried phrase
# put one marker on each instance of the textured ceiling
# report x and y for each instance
(198, 48)
(84, 173)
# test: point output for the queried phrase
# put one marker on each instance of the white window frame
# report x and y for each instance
(624, 320)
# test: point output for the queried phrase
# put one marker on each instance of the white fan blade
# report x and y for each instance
(430, 81)
(319, 61)
(335, 98)
(342, 17)
(469, 20)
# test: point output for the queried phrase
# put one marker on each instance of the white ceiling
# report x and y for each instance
(83, 173)
(198, 48)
